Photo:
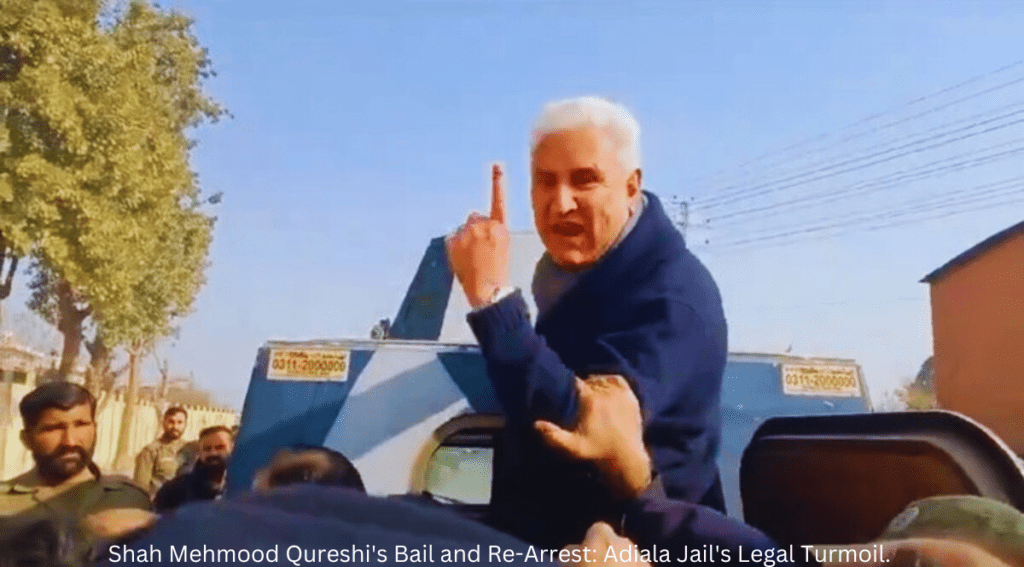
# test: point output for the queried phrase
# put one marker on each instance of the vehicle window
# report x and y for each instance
(460, 474)
(459, 471)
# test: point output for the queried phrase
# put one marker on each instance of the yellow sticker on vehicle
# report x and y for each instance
(310, 365)
(820, 380)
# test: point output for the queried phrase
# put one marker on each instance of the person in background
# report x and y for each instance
(187, 457)
(304, 464)
(44, 542)
(158, 462)
(313, 514)
(60, 432)
(206, 479)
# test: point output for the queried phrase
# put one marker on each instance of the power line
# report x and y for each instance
(958, 197)
(878, 115)
(850, 161)
(767, 189)
(888, 181)
(767, 241)
(968, 119)
(931, 138)
(1004, 188)
(949, 214)
(874, 216)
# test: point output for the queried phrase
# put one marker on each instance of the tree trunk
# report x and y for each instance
(10, 261)
(69, 323)
(98, 373)
(123, 459)
(161, 404)
(69, 354)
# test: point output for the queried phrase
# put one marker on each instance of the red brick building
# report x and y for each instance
(978, 331)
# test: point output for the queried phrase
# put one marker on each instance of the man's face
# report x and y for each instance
(62, 442)
(581, 195)
(214, 449)
(174, 425)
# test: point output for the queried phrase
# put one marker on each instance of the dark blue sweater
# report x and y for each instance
(316, 525)
(312, 525)
(650, 311)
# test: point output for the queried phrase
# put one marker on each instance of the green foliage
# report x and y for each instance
(95, 180)
(917, 397)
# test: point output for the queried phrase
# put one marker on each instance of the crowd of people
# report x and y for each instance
(175, 471)
(611, 403)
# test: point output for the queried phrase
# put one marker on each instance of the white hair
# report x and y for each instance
(595, 112)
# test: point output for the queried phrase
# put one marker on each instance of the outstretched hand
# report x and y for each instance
(478, 250)
(116, 522)
(603, 547)
(609, 432)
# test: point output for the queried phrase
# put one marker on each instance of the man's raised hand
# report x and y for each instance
(497, 194)
(478, 250)
(609, 432)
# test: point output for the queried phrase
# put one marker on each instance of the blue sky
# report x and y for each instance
(363, 129)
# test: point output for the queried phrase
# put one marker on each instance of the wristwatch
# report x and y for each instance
(499, 294)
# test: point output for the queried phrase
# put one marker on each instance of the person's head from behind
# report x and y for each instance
(53, 541)
(60, 429)
(585, 168)
(303, 464)
(215, 446)
(175, 419)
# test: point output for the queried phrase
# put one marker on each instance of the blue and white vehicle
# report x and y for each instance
(415, 413)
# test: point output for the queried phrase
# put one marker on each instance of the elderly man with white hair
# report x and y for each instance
(618, 293)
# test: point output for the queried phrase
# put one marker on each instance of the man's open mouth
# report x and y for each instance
(569, 229)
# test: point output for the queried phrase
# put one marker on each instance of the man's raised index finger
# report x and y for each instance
(497, 194)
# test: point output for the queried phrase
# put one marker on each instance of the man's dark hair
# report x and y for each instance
(214, 429)
(59, 395)
(313, 464)
(175, 409)
(54, 541)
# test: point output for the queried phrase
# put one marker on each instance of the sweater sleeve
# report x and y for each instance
(683, 527)
(656, 348)
(530, 381)
(660, 348)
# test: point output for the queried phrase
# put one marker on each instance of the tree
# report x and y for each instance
(53, 299)
(95, 178)
(8, 260)
(918, 398)
(94, 166)
(926, 375)
(10, 66)
(919, 393)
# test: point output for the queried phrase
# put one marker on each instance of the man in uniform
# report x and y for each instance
(206, 479)
(159, 461)
(60, 432)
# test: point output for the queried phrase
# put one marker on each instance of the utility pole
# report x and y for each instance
(684, 209)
